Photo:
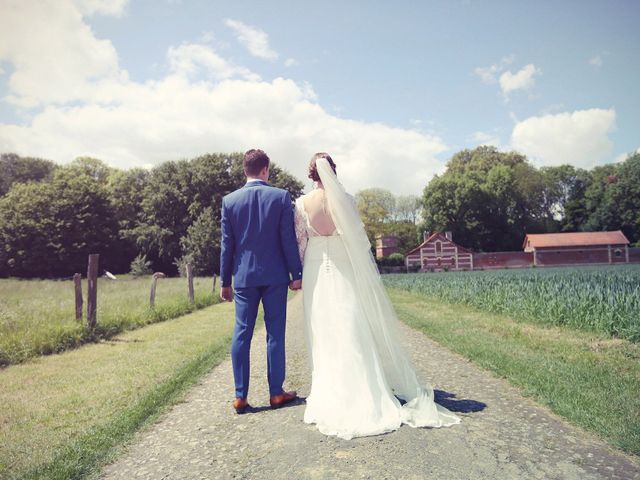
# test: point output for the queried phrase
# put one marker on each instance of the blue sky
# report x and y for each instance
(390, 89)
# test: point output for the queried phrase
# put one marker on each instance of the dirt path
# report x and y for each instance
(503, 435)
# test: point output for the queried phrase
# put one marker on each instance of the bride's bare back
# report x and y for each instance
(315, 206)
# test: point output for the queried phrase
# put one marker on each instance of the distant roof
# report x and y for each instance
(542, 240)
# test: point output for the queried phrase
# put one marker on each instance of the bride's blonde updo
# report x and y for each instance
(313, 170)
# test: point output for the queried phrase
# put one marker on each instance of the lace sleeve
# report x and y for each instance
(301, 231)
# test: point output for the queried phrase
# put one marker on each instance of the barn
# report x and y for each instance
(438, 252)
(577, 248)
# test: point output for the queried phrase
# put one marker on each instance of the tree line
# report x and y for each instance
(490, 200)
(52, 216)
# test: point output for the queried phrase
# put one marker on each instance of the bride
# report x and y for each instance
(362, 381)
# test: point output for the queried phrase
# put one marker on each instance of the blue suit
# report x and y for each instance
(259, 249)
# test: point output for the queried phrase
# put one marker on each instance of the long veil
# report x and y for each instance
(420, 409)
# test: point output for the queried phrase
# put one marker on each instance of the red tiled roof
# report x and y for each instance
(542, 240)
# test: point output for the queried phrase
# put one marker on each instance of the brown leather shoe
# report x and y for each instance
(240, 405)
(285, 397)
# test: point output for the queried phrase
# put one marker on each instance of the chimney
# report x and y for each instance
(425, 235)
(449, 236)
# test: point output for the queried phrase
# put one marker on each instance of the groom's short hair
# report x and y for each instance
(254, 161)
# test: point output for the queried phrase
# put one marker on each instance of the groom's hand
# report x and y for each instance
(226, 294)
(295, 284)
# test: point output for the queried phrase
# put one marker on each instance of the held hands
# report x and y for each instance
(226, 294)
(295, 285)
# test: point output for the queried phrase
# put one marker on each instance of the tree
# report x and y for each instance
(48, 229)
(376, 206)
(562, 186)
(177, 193)
(16, 169)
(92, 167)
(201, 245)
(407, 208)
(575, 213)
(486, 198)
(625, 197)
(126, 193)
(599, 215)
(170, 213)
(613, 198)
(406, 232)
(125, 189)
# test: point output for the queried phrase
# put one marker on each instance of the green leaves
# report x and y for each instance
(16, 169)
(491, 199)
(168, 214)
(383, 213)
(49, 228)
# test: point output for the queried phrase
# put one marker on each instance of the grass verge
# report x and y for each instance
(37, 317)
(590, 379)
(64, 416)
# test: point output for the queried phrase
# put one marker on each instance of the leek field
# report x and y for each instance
(599, 299)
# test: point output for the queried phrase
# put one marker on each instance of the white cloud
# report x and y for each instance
(254, 39)
(596, 61)
(623, 156)
(203, 104)
(102, 7)
(290, 62)
(489, 74)
(484, 138)
(192, 59)
(208, 37)
(521, 80)
(580, 138)
(553, 108)
(175, 118)
(55, 62)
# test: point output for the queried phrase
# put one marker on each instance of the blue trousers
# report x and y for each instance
(274, 303)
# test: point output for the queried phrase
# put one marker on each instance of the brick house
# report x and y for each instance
(438, 252)
(386, 245)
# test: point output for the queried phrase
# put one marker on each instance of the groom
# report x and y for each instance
(259, 248)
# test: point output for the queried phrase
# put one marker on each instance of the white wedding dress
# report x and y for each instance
(359, 369)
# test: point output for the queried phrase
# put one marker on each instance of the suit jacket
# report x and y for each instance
(259, 244)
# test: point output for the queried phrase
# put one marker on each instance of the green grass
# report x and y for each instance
(588, 378)
(37, 317)
(63, 416)
(598, 299)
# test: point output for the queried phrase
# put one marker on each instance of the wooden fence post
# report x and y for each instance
(77, 282)
(215, 277)
(152, 295)
(154, 280)
(190, 282)
(92, 290)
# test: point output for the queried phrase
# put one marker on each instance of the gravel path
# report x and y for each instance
(503, 435)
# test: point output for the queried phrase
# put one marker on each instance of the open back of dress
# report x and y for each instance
(317, 214)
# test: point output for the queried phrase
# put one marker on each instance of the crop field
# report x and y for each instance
(599, 299)
(37, 317)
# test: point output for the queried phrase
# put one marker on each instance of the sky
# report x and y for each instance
(391, 90)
